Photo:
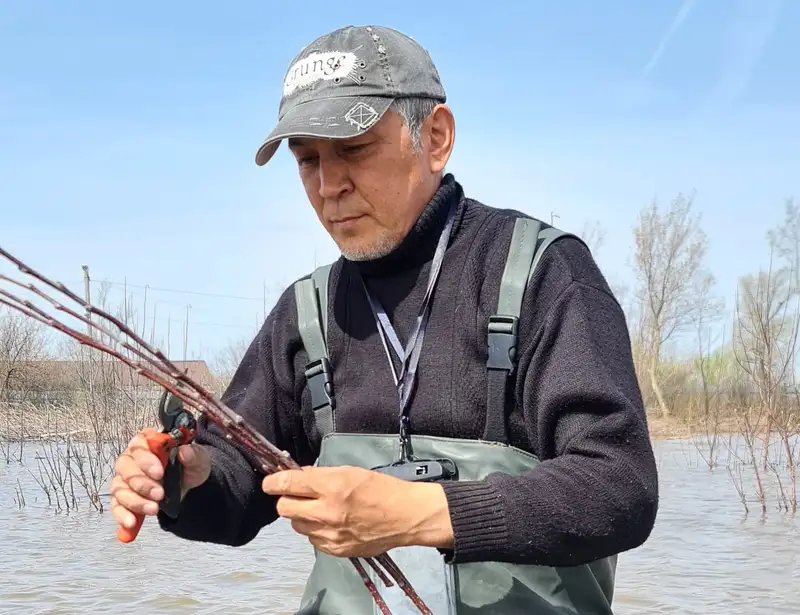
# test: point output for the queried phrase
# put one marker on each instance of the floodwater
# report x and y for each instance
(704, 557)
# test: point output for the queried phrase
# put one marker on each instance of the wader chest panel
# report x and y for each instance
(481, 588)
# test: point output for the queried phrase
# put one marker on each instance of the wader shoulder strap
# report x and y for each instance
(311, 297)
(529, 241)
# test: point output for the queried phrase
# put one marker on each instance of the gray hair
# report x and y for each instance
(414, 111)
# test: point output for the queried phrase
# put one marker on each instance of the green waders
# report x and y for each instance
(480, 588)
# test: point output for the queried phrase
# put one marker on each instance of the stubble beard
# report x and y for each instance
(378, 246)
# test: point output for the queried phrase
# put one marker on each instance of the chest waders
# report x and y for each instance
(479, 588)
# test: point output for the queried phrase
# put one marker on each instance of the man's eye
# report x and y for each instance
(352, 149)
(302, 160)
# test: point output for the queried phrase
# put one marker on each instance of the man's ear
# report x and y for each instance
(439, 129)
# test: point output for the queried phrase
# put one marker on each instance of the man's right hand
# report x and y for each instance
(136, 486)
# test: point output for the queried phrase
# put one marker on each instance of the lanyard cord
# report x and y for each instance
(409, 356)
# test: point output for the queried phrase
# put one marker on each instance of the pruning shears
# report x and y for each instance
(178, 427)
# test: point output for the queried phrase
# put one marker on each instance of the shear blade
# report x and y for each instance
(169, 409)
(172, 486)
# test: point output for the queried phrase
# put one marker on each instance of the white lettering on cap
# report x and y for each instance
(315, 66)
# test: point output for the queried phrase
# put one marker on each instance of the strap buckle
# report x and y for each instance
(502, 342)
(320, 384)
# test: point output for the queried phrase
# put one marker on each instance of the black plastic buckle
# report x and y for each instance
(502, 342)
(421, 470)
(320, 384)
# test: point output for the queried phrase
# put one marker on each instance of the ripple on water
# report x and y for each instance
(703, 559)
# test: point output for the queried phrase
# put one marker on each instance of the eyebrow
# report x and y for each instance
(295, 142)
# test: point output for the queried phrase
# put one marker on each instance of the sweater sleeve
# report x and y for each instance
(595, 492)
(230, 508)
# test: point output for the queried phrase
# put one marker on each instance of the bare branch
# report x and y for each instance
(150, 362)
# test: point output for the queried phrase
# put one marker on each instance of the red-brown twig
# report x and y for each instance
(393, 569)
(376, 596)
(151, 363)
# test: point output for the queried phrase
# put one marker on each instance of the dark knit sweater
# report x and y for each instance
(578, 405)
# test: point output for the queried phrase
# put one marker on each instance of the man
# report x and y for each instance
(531, 430)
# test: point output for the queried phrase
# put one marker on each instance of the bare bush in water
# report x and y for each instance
(79, 408)
(765, 345)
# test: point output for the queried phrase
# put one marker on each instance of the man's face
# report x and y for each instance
(369, 190)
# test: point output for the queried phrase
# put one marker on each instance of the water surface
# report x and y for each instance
(704, 557)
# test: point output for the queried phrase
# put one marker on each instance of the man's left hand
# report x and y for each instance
(352, 512)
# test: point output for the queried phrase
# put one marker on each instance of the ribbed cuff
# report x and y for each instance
(479, 521)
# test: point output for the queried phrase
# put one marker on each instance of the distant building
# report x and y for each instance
(60, 380)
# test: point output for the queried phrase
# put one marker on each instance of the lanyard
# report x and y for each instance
(409, 356)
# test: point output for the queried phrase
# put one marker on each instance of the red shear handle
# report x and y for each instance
(160, 445)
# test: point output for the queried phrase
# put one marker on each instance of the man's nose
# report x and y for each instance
(334, 178)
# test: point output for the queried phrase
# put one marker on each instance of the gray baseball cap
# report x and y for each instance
(341, 84)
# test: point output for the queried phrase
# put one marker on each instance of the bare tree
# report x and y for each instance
(767, 326)
(593, 235)
(765, 346)
(22, 343)
(227, 360)
(708, 371)
(785, 241)
(673, 286)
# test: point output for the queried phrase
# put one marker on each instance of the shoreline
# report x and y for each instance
(40, 430)
(676, 429)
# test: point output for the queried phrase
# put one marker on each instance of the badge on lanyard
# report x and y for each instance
(409, 466)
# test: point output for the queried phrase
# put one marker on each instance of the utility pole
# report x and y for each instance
(87, 295)
(553, 216)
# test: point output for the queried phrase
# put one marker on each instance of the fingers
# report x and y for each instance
(136, 486)
(304, 526)
(142, 458)
(126, 501)
(196, 461)
(193, 456)
(293, 508)
(296, 483)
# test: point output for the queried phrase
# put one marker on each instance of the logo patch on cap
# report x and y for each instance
(329, 65)
(361, 115)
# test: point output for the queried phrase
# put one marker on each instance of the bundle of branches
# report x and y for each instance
(126, 346)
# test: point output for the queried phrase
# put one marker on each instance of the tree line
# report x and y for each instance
(707, 371)
(674, 297)
(735, 371)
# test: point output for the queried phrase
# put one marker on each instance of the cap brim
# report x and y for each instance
(329, 118)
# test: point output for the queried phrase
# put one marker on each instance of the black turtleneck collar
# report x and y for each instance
(419, 245)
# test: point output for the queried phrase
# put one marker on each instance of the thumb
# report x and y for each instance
(193, 455)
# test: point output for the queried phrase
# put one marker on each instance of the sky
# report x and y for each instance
(128, 133)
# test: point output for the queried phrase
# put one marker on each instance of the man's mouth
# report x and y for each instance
(345, 219)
